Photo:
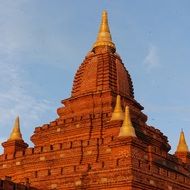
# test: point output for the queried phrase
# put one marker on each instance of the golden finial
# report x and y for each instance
(127, 129)
(104, 36)
(182, 145)
(118, 113)
(16, 134)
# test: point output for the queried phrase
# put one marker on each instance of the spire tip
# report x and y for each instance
(104, 35)
(16, 134)
(182, 145)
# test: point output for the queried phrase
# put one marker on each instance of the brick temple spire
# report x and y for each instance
(127, 129)
(16, 134)
(15, 141)
(102, 69)
(104, 36)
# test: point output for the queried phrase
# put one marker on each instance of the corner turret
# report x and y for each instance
(15, 141)
(182, 145)
(182, 151)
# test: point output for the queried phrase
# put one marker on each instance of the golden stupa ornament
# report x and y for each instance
(104, 35)
(182, 145)
(16, 134)
(118, 113)
(127, 129)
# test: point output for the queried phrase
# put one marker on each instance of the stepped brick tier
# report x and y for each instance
(93, 144)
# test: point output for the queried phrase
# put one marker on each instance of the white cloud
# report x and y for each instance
(152, 60)
(26, 38)
(16, 99)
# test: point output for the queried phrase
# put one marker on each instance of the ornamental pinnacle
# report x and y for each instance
(104, 36)
(16, 134)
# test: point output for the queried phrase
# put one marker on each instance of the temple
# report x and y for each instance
(100, 139)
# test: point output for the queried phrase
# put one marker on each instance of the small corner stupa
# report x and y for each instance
(182, 151)
(118, 113)
(127, 129)
(15, 141)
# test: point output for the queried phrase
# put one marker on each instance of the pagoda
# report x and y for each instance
(100, 139)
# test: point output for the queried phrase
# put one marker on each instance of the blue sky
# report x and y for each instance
(42, 43)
